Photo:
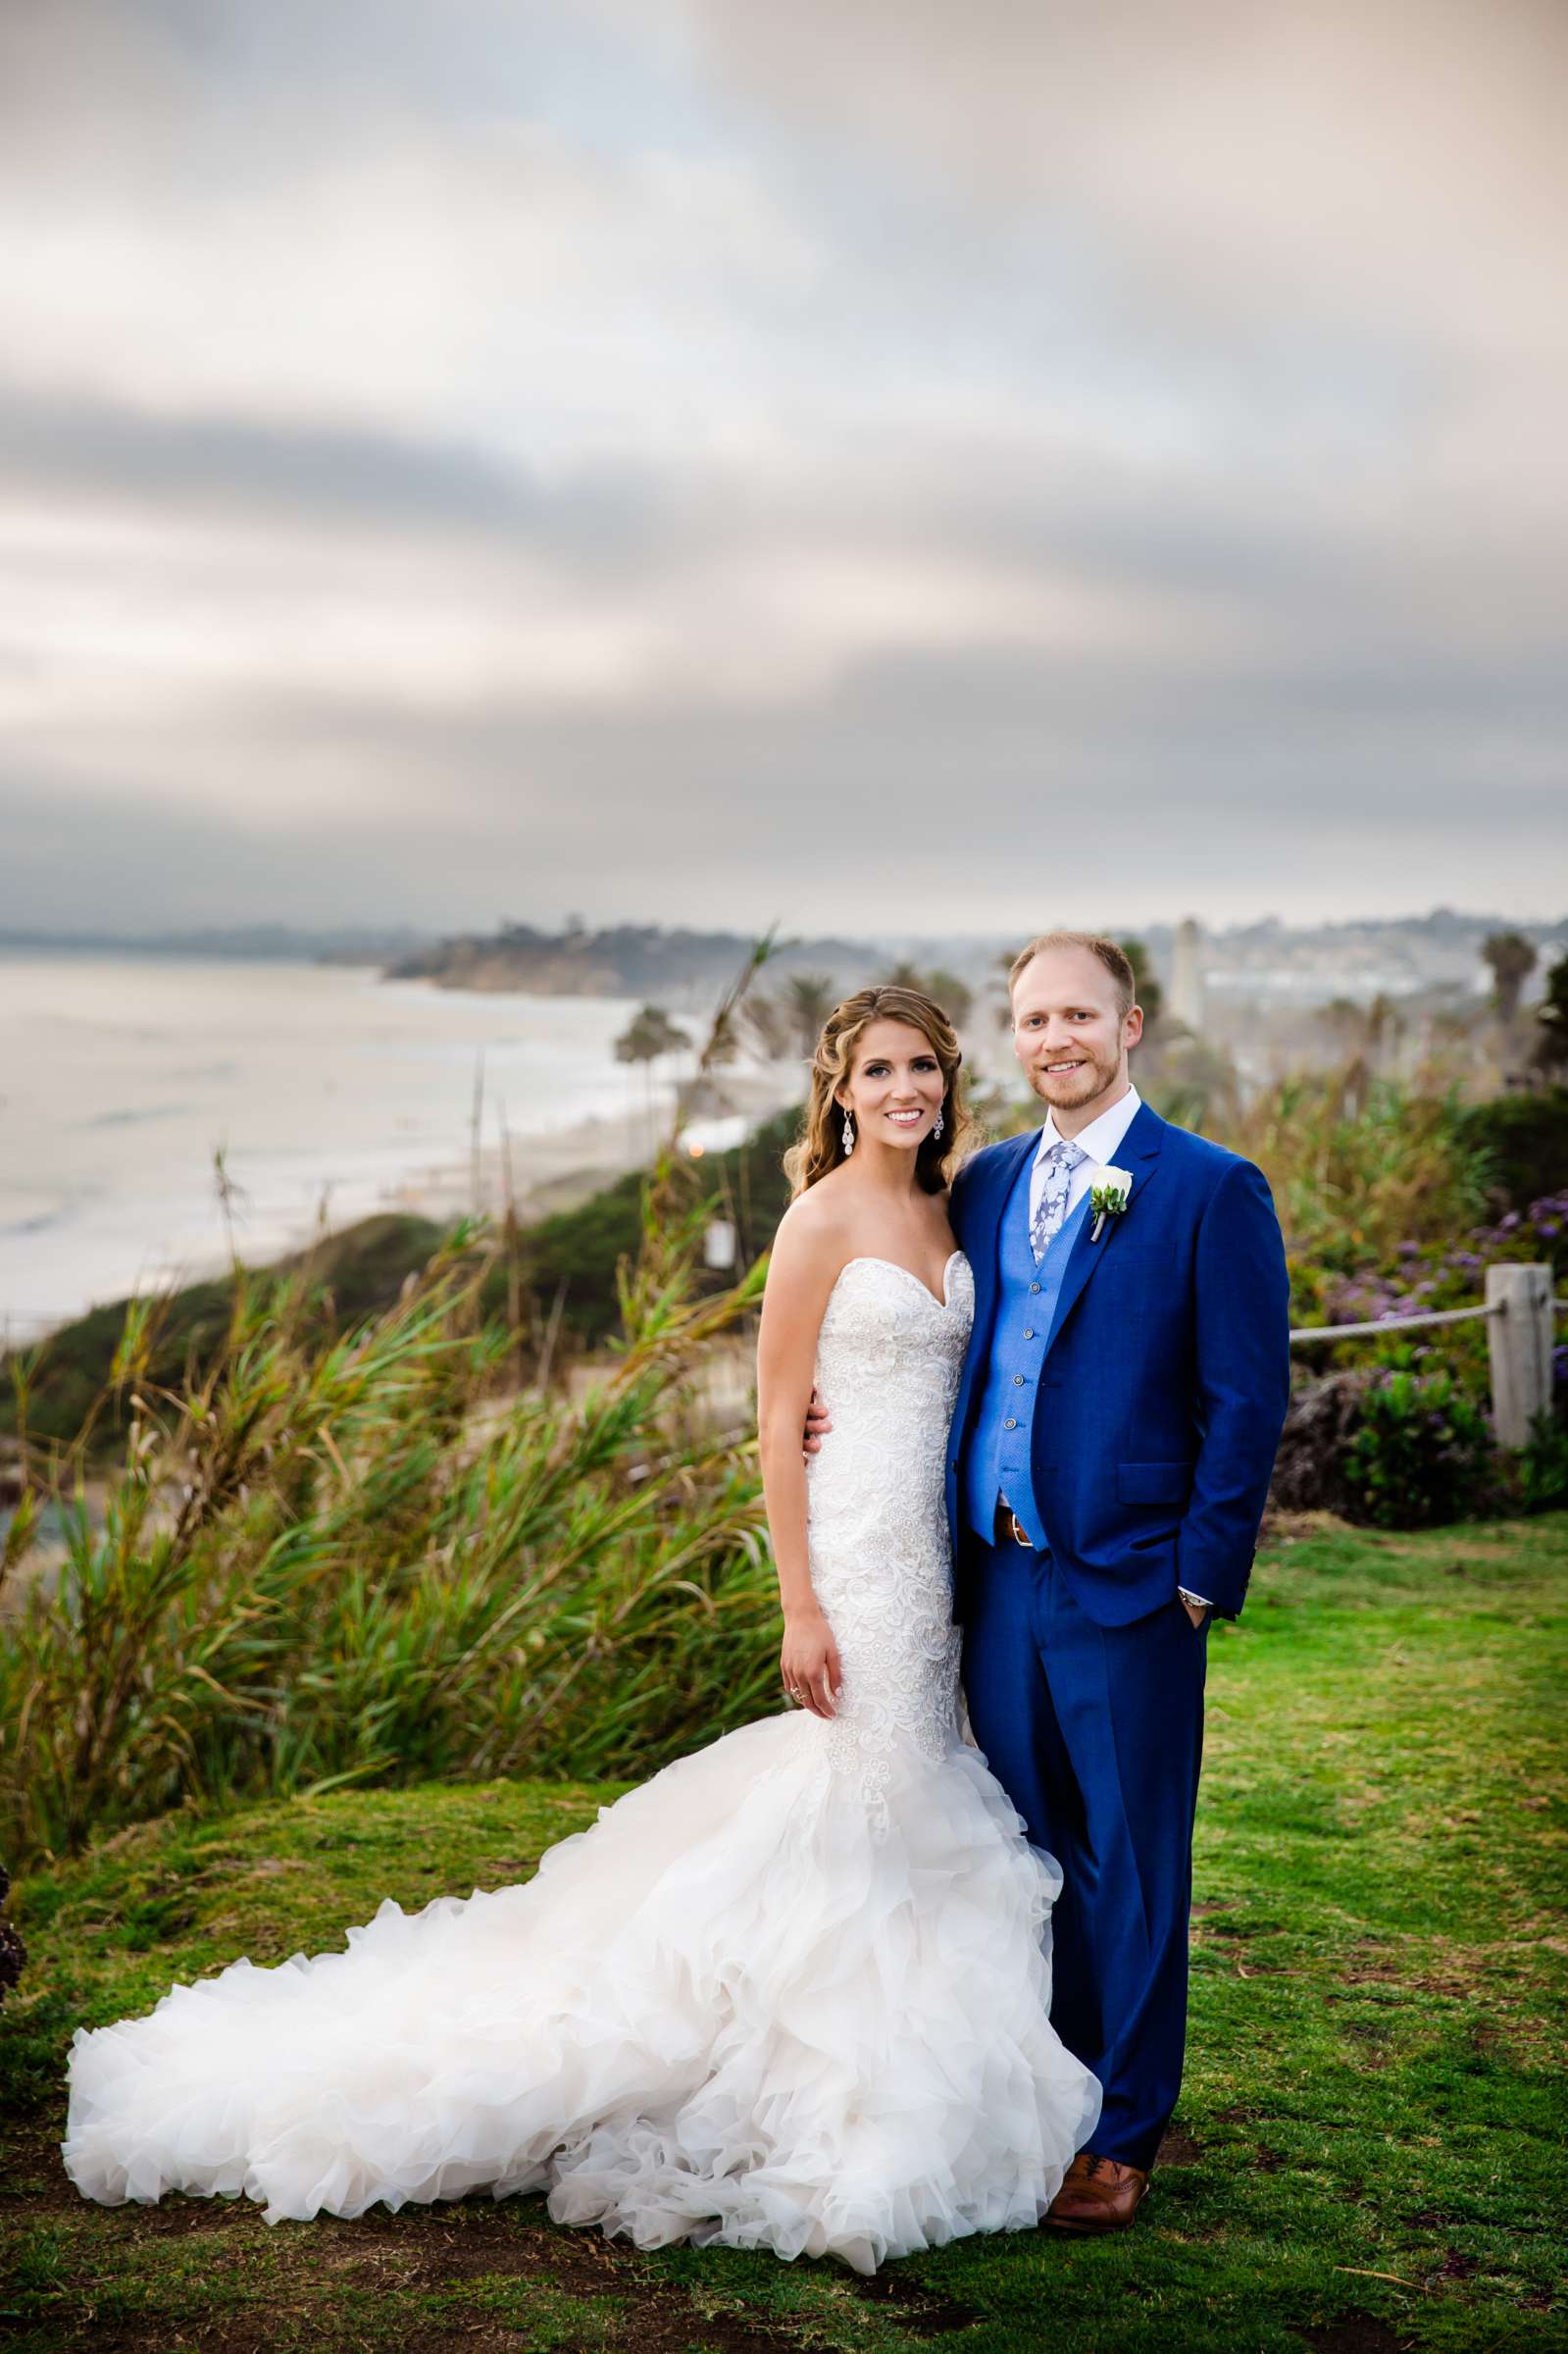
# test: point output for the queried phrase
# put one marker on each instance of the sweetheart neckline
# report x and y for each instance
(871, 1259)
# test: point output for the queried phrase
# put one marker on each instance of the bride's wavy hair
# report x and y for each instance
(821, 1146)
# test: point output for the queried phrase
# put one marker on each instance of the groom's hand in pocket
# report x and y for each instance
(818, 1424)
(1198, 1612)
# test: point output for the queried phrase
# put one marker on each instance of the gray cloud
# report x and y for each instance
(239, 466)
(704, 458)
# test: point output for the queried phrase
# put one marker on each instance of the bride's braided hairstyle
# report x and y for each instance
(821, 1146)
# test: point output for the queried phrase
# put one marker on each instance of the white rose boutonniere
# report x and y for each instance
(1108, 1191)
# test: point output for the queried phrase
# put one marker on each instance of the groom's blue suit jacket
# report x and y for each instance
(1165, 1378)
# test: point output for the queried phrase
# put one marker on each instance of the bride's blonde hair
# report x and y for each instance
(821, 1146)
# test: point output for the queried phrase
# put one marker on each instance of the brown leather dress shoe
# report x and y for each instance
(1097, 2194)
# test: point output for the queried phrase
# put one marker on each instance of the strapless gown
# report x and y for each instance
(792, 1993)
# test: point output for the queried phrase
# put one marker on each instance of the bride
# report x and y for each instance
(792, 1992)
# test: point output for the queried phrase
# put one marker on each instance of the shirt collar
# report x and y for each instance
(1101, 1137)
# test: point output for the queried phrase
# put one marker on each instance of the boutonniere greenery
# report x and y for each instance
(1108, 1190)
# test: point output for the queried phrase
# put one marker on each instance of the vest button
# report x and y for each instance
(1010, 1424)
(1018, 1381)
(1033, 1287)
(1028, 1332)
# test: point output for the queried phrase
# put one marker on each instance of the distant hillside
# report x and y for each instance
(260, 943)
(626, 960)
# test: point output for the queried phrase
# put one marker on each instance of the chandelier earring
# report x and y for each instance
(850, 1136)
(938, 1126)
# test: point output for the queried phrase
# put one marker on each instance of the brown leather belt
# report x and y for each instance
(1010, 1530)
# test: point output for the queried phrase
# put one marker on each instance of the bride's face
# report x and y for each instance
(896, 1084)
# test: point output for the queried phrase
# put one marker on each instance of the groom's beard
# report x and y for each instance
(1069, 1090)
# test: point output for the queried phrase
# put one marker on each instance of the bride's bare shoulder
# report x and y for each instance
(820, 1212)
(813, 1236)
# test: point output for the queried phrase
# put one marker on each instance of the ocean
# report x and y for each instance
(120, 1077)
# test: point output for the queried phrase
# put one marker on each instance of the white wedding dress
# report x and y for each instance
(792, 1993)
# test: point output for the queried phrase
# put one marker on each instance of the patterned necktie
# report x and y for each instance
(1058, 1164)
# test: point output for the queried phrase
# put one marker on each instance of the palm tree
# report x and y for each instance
(1004, 975)
(1364, 1033)
(1148, 991)
(1552, 1035)
(1512, 959)
(955, 998)
(1199, 1086)
(1345, 1023)
(808, 999)
(649, 1036)
(773, 1033)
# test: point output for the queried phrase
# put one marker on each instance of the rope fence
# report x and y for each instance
(1349, 1332)
(1520, 1310)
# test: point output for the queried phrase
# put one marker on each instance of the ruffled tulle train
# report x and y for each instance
(752, 2004)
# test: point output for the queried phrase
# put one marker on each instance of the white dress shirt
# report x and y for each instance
(1101, 1141)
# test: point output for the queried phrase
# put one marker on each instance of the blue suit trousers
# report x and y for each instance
(1096, 1735)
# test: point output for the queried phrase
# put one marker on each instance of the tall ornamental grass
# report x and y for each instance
(360, 1560)
(1360, 1164)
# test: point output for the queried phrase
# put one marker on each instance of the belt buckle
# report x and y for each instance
(1020, 1535)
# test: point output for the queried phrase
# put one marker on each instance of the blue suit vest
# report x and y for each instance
(998, 1460)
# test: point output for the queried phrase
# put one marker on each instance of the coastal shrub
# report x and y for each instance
(13, 1951)
(346, 1557)
(1523, 1141)
(569, 1260)
(68, 1379)
(1449, 1273)
(1406, 1442)
(1422, 1450)
(1542, 1472)
(1311, 1473)
(1358, 1166)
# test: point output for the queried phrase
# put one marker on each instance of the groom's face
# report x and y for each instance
(1068, 1032)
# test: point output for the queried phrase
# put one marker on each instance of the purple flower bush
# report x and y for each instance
(1396, 1202)
(1431, 1275)
(1412, 1426)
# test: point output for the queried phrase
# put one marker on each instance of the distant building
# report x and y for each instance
(1187, 975)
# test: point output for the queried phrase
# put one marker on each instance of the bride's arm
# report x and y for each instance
(807, 1256)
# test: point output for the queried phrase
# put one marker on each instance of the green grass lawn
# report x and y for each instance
(1369, 2151)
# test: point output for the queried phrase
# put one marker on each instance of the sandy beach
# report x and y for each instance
(556, 1171)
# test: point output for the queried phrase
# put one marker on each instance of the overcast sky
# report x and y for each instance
(895, 466)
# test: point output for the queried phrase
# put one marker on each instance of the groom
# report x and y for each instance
(1115, 1430)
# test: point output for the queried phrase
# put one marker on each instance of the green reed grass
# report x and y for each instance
(1358, 1164)
(359, 1559)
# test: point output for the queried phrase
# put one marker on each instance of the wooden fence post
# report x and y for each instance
(1520, 1341)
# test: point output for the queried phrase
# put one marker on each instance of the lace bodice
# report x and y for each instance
(889, 1357)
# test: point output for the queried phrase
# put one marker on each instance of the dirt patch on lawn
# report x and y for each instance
(33, 2177)
(1354, 2334)
(920, 2312)
(1369, 1965)
(422, 2251)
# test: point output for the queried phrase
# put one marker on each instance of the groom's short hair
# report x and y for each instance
(1110, 955)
